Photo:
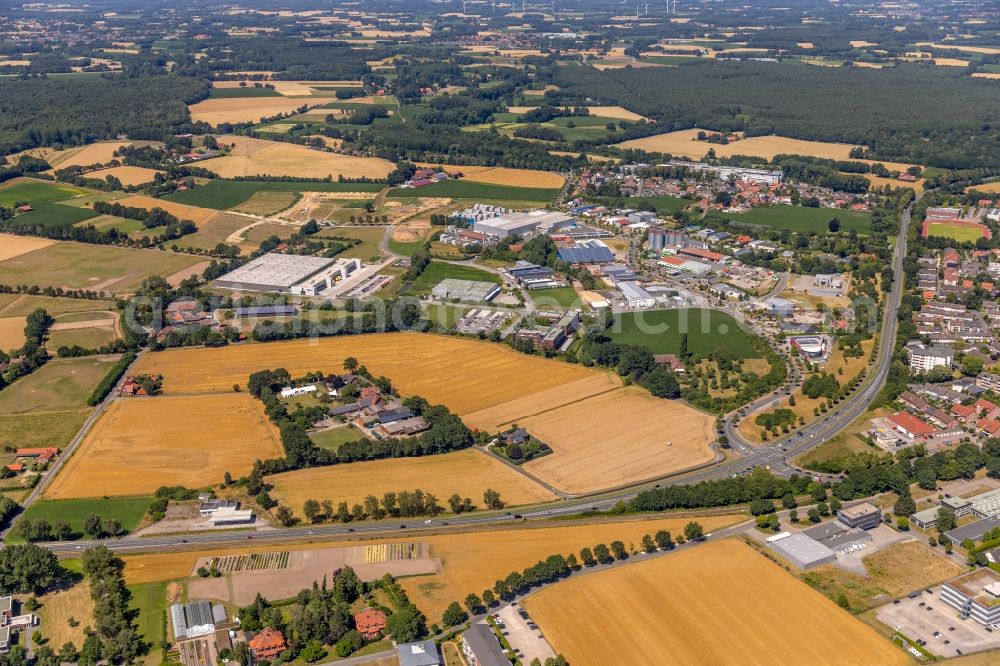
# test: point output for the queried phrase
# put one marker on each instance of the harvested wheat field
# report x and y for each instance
(576, 410)
(684, 143)
(471, 562)
(14, 246)
(273, 158)
(616, 438)
(468, 473)
(196, 214)
(410, 232)
(140, 444)
(216, 110)
(11, 333)
(93, 153)
(128, 175)
(986, 75)
(716, 603)
(504, 175)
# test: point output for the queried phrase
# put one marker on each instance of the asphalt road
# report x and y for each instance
(775, 457)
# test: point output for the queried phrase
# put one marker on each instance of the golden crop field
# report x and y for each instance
(602, 435)
(684, 143)
(101, 152)
(11, 333)
(716, 603)
(140, 444)
(616, 438)
(274, 158)
(504, 175)
(196, 214)
(216, 110)
(128, 175)
(990, 188)
(616, 112)
(468, 473)
(471, 561)
(987, 50)
(14, 246)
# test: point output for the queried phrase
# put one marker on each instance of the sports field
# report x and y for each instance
(14, 246)
(716, 603)
(962, 233)
(488, 385)
(468, 473)
(216, 110)
(804, 218)
(128, 175)
(94, 267)
(684, 143)
(471, 562)
(141, 444)
(661, 331)
(252, 157)
(61, 384)
(503, 175)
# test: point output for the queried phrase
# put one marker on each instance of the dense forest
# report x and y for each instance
(912, 113)
(48, 112)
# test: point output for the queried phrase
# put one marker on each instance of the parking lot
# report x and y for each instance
(530, 643)
(920, 617)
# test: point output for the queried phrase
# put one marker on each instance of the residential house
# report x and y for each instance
(482, 648)
(370, 622)
(267, 644)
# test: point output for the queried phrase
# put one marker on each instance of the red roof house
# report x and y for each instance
(910, 425)
(268, 644)
(45, 454)
(370, 622)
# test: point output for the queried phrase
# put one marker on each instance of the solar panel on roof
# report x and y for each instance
(586, 255)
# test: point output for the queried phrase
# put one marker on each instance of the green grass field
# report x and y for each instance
(17, 305)
(466, 189)
(128, 510)
(88, 338)
(106, 222)
(660, 331)
(437, 271)
(225, 194)
(56, 215)
(95, 267)
(36, 192)
(662, 205)
(802, 218)
(332, 439)
(151, 600)
(405, 248)
(370, 238)
(560, 297)
(957, 232)
(59, 385)
(40, 429)
(249, 91)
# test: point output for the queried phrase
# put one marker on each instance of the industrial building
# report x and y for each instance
(466, 291)
(975, 595)
(837, 537)
(811, 346)
(660, 238)
(763, 176)
(635, 296)
(524, 224)
(864, 516)
(801, 551)
(289, 273)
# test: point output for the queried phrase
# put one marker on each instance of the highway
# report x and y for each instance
(776, 457)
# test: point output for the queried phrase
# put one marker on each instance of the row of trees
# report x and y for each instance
(32, 354)
(404, 504)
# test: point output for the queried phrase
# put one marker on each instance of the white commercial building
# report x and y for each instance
(636, 296)
(923, 358)
(524, 224)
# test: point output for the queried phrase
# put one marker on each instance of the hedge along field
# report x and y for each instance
(225, 194)
(803, 218)
(467, 189)
(707, 330)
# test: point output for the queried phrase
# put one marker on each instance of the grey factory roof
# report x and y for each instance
(276, 270)
(588, 252)
(803, 551)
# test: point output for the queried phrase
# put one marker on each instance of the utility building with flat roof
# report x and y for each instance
(802, 551)
(975, 595)
(524, 224)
